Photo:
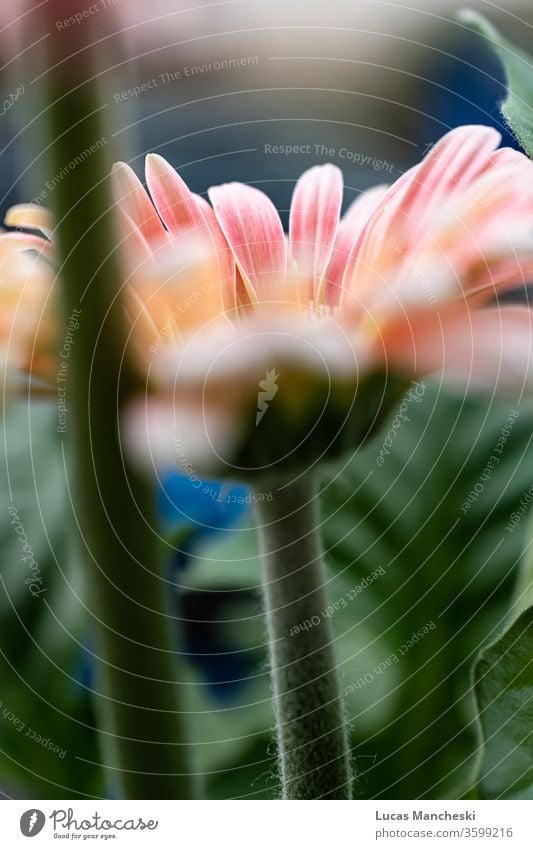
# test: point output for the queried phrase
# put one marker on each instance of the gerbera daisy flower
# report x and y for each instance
(261, 350)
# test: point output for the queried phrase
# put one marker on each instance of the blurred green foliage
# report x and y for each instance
(44, 639)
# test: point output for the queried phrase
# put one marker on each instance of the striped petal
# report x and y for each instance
(481, 241)
(224, 254)
(408, 209)
(314, 218)
(252, 227)
(131, 197)
(174, 201)
(348, 232)
(134, 246)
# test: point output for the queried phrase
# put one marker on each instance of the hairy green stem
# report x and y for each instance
(311, 724)
(137, 691)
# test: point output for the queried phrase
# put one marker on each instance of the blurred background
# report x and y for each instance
(256, 92)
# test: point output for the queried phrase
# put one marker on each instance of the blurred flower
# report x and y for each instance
(322, 330)
(263, 351)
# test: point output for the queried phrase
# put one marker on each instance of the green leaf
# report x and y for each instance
(449, 559)
(517, 108)
(413, 722)
(504, 693)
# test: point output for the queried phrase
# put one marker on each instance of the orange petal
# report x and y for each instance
(487, 348)
(30, 216)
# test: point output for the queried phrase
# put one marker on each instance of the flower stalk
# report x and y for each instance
(311, 724)
(137, 690)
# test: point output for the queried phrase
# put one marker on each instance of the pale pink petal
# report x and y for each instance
(252, 227)
(453, 163)
(348, 232)
(482, 240)
(486, 348)
(408, 209)
(314, 218)
(174, 201)
(224, 253)
(131, 197)
(134, 246)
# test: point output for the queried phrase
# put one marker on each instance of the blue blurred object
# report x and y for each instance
(200, 507)
(465, 87)
(195, 510)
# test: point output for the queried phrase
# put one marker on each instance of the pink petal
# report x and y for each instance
(408, 209)
(252, 227)
(348, 232)
(452, 164)
(314, 218)
(174, 201)
(482, 241)
(224, 253)
(480, 347)
(134, 246)
(131, 197)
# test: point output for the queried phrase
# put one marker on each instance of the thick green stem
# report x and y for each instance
(143, 749)
(311, 724)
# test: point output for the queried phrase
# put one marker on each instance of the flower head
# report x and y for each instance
(262, 350)
(343, 311)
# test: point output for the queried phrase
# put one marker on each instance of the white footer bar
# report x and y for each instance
(267, 825)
